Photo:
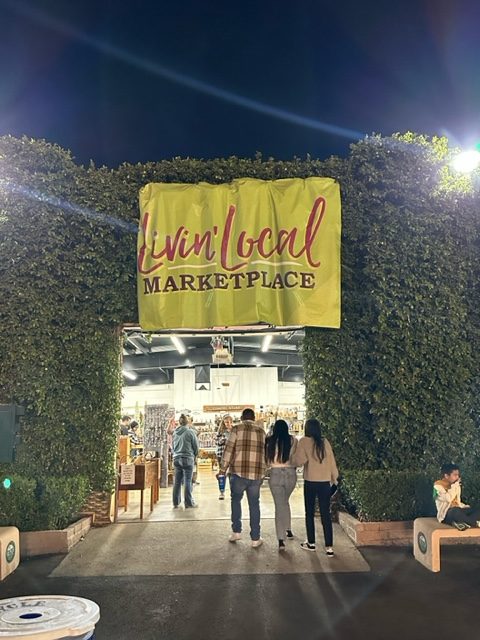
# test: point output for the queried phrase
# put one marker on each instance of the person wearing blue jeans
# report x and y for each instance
(183, 475)
(185, 450)
(244, 458)
(238, 487)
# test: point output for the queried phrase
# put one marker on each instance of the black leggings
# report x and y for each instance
(470, 515)
(312, 490)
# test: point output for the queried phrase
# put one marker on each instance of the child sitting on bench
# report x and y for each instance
(447, 496)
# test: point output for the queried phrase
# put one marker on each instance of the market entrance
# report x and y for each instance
(242, 258)
(204, 375)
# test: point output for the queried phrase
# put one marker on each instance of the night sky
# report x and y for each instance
(135, 81)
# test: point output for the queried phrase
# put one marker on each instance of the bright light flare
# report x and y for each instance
(149, 66)
(179, 346)
(266, 343)
(129, 374)
(467, 161)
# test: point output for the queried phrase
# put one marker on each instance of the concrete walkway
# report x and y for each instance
(397, 599)
(182, 580)
(199, 548)
(210, 507)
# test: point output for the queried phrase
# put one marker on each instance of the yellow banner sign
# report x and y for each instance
(252, 251)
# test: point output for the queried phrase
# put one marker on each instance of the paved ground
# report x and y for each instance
(180, 579)
(397, 599)
(210, 507)
(200, 548)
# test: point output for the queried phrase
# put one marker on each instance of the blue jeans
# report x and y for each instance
(183, 475)
(238, 486)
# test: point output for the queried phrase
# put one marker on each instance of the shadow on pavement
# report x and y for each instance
(398, 598)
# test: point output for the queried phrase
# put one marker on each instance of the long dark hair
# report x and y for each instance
(222, 429)
(280, 438)
(314, 430)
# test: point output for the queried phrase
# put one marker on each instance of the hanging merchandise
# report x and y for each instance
(222, 350)
(158, 418)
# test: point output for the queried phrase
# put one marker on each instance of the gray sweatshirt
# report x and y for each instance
(185, 443)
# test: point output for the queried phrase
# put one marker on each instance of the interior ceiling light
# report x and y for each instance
(130, 375)
(179, 346)
(266, 342)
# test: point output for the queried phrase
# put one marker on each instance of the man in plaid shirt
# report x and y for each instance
(244, 458)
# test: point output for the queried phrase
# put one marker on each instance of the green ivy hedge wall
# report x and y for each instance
(64, 286)
(395, 387)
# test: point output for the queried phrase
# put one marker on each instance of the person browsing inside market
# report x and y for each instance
(135, 440)
(221, 439)
(185, 451)
(124, 425)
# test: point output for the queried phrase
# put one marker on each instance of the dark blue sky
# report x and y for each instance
(145, 80)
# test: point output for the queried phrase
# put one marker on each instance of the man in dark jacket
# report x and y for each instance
(124, 424)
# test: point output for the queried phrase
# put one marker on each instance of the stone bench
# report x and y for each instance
(9, 550)
(427, 533)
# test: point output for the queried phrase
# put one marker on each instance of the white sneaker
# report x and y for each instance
(329, 552)
(257, 543)
(234, 537)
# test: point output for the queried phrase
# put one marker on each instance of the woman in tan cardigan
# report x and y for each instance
(320, 475)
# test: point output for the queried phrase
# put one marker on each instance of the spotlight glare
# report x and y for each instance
(467, 161)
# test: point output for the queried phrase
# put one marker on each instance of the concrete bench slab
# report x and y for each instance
(427, 533)
(9, 550)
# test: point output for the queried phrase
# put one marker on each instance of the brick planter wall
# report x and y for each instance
(101, 504)
(376, 533)
(40, 543)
